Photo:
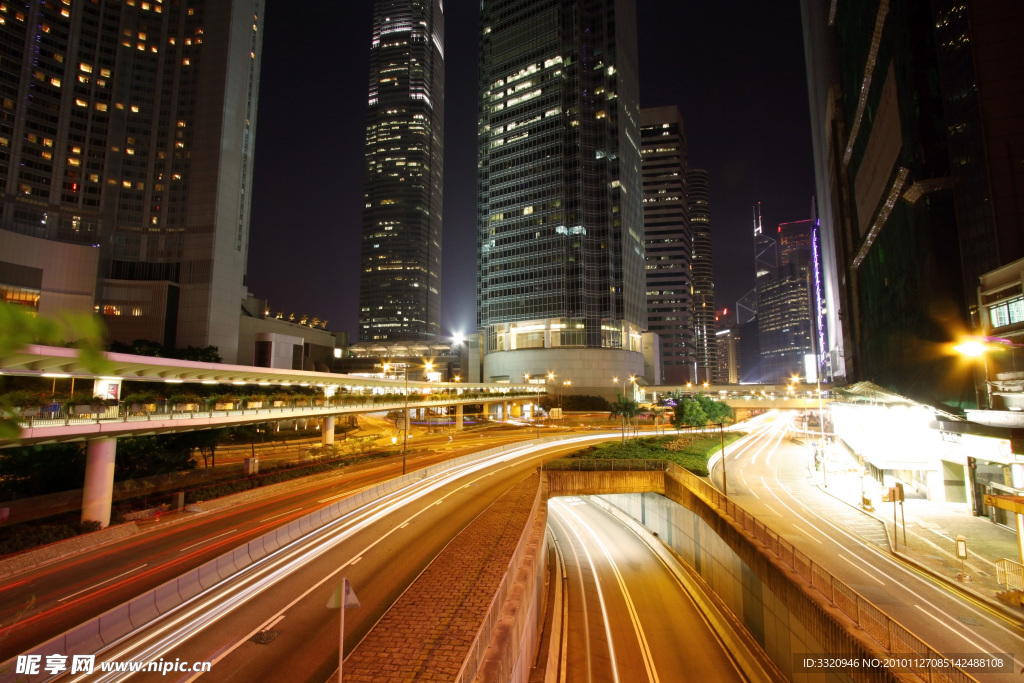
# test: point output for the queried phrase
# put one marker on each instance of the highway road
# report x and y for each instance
(628, 619)
(768, 476)
(281, 601)
(38, 605)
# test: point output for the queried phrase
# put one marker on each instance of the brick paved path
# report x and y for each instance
(426, 635)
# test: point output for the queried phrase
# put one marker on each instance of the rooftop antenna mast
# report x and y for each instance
(765, 255)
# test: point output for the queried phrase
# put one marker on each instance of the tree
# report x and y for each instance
(626, 409)
(717, 412)
(19, 328)
(206, 442)
(689, 414)
(145, 456)
(657, 413)
(38, 470)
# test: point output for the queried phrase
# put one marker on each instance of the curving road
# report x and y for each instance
(40, 604)
(768, 476)
(380, 549)
(629, 618)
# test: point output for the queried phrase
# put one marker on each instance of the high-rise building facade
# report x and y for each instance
(126, 156)
(785, 300)
(400, 281)
(729, 349)
(918, 128)
(667, 240)
(703, 268)
(560, 227)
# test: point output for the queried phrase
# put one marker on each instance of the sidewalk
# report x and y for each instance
(931, 531)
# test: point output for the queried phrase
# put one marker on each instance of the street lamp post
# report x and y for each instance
(405, 415)
(725, 486)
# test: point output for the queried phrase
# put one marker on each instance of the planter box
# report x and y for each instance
(143, 408)
(224, 406)
(185, 407)
(280, 404)
(254, 404)
(88, 410)
(28, 412)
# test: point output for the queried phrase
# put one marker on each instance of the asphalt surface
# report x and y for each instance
(769, 477)
(380, 551)
(629, 619)
(39, 604)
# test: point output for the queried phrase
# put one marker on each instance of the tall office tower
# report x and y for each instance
(729, 345)
(400, 283)
(785, 299)
(126, 152)
(560, 227)
(667, 240)
(918, 128)
(703, 275)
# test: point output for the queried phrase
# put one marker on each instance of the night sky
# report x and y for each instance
(735, 69)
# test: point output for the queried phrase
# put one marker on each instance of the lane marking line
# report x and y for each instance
(279, 515)
(857, 566)
(97, 585)
(207, 540)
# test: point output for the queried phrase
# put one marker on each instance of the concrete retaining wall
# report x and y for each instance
(66, 548)
(777, 607)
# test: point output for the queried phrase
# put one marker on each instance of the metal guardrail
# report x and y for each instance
(883, 629)
(1010, 574)
(605, 465)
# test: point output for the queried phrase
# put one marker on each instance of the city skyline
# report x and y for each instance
(738, 147)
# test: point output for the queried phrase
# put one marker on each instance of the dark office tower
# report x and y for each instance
(400, 284)
(126, 152)
(703, 275)
(785, 300)
(918, 128)
(560, 225)
(667, 240)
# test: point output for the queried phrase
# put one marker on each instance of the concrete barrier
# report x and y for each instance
(115, 624)
(166, 597)
(208, 574)
(142, 609)
(101, 631)
(84, 639)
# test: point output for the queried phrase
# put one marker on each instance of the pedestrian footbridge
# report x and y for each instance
(100, 424)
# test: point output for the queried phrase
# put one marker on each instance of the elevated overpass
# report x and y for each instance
(100, 425)
(796, 396)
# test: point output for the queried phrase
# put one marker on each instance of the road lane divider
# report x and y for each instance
(97, 585)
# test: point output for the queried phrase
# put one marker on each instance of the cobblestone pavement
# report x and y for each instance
(426, 635)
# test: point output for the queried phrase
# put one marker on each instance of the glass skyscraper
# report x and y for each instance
(400, 282)
(126, 156)
(703, 267)
(667, 241)
(560, 225)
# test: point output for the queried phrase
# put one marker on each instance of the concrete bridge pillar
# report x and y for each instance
(517, 410)
(506, 410)
(327, 431)
(98, 491)
(458, 416)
